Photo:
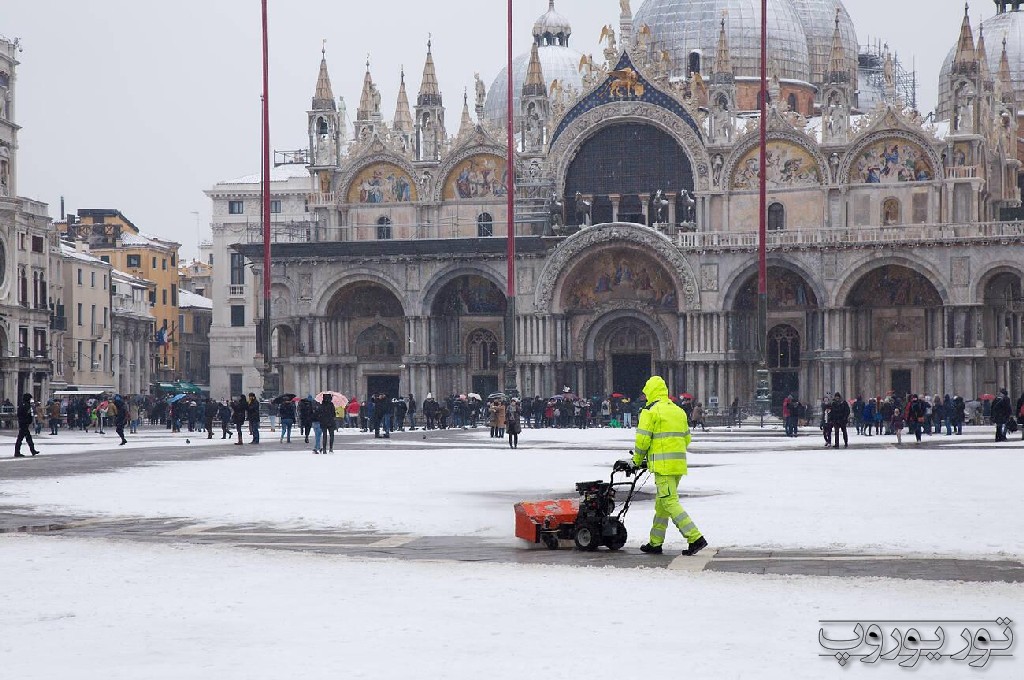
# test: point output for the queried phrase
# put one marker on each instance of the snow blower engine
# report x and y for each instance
(588, 521)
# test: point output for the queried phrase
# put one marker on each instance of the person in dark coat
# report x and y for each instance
(238, 411)
(380, 406)
(286, 411)
(120, 418)
(410, 406)
(224, 413)
(25, 417)
(915, 414)
(252, 415)
(306, 417)
(209, 413)
(1001, 411)
(839, 417)
(326, 416)
(512, 424)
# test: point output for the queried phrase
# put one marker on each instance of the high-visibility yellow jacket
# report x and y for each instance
(663, 432)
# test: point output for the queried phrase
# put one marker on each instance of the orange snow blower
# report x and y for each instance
(587, 521)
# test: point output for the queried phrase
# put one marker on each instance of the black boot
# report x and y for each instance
(650, 549)
(696, 546)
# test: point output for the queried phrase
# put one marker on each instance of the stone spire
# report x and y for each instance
(982, 57)
(430, 93)
(1005, 79)
(369, 100)
(323, 98)
(837, 70)
(966, 57)
(431, 136)
(723, 59)
(403, 116)
(466, 125)
(535, 85)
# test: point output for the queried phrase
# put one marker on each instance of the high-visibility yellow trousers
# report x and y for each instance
(667, 507)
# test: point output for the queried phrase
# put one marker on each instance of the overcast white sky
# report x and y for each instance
(141, 105)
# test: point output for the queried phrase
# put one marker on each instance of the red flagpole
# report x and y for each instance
(510, 187)
(267, 354)
(762, 230)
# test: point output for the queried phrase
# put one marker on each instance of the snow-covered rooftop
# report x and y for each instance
(188, 299)
(72, 252)
(281, 173)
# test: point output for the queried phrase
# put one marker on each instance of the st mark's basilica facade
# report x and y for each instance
(894, 259)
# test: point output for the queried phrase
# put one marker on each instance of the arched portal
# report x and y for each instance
(792, 316)
(894, 312)
(363, 334)
(467, 320)
(621, 165)
(1004, 307)
(622, 354)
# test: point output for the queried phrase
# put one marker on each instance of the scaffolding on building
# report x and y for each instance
(871, 76)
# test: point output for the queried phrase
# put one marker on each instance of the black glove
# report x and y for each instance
(623, 466)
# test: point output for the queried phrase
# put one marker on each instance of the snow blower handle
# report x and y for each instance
(627, 467)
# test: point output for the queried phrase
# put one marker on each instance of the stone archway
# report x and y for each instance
(895, 322)
(652, 245)
(622, 349)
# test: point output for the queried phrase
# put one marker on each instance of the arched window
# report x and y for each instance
(321, 126)
(791, 101)
(484, 225)
(378, 342)
(483, 351)
(383, 228)
(694, 62)
(783, 347)
(891, 211)
(776, 217)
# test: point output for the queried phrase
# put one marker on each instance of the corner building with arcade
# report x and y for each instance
(893, 246)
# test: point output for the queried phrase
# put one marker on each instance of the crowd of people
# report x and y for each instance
(918, 414)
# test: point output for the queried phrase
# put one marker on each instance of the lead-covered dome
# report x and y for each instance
(686, 26)
(551, 33)
(1008, 25)
(819, 21)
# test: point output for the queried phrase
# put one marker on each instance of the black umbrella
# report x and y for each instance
(495, 395)
(280, 399)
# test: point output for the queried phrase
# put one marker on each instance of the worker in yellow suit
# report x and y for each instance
(662, 436)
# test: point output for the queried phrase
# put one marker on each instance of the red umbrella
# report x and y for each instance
(686, 395)
(986, 397)
(618, 395)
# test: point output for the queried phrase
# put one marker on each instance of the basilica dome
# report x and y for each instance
(1007, 25)
(551, 33)
(687, 26)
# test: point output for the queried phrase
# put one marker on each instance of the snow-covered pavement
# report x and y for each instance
(112, 609)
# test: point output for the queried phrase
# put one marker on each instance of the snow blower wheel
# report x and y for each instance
(618, 539)
(550, 541)
(587, 537)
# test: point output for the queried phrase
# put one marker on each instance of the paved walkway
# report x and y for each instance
(453, 548)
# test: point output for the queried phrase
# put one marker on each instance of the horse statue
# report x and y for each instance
(556, 213)
(689, 205)
(657, 208)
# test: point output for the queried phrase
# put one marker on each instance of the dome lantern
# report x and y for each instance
(552, 28)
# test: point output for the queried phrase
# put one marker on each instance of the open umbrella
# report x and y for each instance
(176, 398)
(495, 395)
(986, 397)
(474, 395)
(686, 395)
(618, 395)
(337, 398)
(280, 399)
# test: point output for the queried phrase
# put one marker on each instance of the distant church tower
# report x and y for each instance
(430, 132)
(324, 123)
(402, 124)
(8, 130)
